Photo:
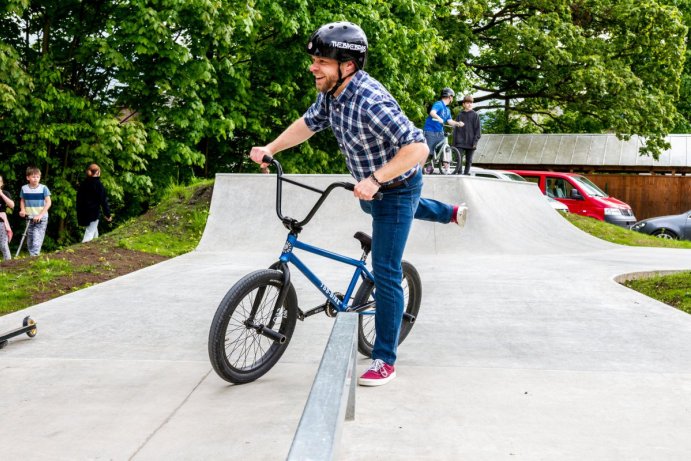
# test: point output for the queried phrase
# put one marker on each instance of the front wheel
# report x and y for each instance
(430, 165)
(666, 234)
(249, 332)
(412, 295)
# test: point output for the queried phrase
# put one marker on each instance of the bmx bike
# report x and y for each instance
(445, 159)
(256, 319)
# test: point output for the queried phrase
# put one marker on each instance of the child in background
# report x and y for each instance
(5, 229)
(34, 203)
(91, 198)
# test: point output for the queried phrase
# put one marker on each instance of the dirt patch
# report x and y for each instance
(202, 195)
(103, 260)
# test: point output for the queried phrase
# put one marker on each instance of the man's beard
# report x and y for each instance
(326, 84)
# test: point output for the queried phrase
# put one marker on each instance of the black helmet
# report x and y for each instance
(342, 41)
(446, 92)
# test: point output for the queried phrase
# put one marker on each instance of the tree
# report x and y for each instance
(65, 100)
(160, 90)
(276, 86)
(577, 66)
(683, 104)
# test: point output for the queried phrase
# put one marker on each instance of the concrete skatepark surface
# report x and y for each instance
(525, 346)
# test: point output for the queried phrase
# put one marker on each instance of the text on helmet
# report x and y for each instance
(349, 46)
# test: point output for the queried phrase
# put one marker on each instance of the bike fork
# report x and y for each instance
(267, 330)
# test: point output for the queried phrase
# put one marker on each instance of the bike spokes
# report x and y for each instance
(252, 327)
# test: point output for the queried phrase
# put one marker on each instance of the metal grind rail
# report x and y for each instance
(332, 398)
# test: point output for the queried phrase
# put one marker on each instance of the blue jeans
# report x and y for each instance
(392, 217)
(433, 138)
(35, 235)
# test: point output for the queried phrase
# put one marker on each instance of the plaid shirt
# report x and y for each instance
(369, 125)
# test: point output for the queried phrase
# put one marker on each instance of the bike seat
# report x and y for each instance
(365, 241)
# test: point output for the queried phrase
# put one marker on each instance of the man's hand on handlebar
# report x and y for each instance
(365, 189)
(257, 155)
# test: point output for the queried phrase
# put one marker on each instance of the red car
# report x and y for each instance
(581, 196)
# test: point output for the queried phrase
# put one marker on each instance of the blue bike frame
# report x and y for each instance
(287, 256)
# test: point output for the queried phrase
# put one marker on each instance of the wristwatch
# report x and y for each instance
(374, 178)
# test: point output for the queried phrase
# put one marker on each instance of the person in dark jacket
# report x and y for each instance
(466, 136)
(91, 198)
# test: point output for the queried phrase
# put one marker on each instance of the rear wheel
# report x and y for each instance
(448, 160)
(238, 351)
(412, 295)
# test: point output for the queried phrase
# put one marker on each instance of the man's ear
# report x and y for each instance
(350, 67)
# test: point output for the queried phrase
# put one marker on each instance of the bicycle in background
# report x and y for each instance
(445, 159)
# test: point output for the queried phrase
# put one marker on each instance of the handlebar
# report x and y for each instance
(448, 129)
(293, 224)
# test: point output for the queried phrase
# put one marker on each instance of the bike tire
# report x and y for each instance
(455, 164)
(238, 353)
(412, 295)
(442, 149)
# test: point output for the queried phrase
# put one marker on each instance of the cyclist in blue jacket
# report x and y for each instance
(439, 114)
(383, 151)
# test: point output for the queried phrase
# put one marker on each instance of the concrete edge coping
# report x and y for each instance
(623, 278)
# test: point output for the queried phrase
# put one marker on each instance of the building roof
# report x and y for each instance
(593, 152)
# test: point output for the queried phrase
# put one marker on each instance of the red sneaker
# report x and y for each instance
(379, 373)
(460, 214)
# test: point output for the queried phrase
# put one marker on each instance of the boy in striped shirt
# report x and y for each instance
(34, 202)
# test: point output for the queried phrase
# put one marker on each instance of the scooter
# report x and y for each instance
(28, 327)
(21, 242)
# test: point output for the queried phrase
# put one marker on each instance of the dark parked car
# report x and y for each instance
(669, 227)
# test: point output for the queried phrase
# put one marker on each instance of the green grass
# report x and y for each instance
(674, 289)
(621, 236)
(173, 228)
(17, 286)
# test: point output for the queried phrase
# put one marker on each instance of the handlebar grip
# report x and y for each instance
(268, 159)
(351, 187)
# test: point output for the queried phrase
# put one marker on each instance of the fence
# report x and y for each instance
(648, 195)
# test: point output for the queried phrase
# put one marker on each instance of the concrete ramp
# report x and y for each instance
(504, 217)
(524, 348)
